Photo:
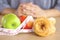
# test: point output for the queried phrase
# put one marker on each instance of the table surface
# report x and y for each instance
(32, 36)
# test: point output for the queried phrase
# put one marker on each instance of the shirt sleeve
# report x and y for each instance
(4, 4)
(58, 5)
(45, 4)
(14, 3)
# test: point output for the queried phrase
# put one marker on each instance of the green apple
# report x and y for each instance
(10, 21)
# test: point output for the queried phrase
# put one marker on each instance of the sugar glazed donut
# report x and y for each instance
(44, 26)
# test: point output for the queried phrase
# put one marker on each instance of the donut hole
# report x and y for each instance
(42, 26)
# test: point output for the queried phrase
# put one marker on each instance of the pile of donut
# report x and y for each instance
(43, 25)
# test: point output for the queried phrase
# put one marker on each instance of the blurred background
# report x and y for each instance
(44, 4)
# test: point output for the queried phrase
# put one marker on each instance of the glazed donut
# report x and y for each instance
(52, 20)
(42, 27)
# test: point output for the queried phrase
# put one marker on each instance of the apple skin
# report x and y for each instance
(22, 18)
(10, 21)
(28, 25)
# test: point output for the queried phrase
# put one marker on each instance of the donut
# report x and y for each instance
(52, 20)
(43, 27)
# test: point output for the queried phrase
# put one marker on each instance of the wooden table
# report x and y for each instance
(32, 36)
